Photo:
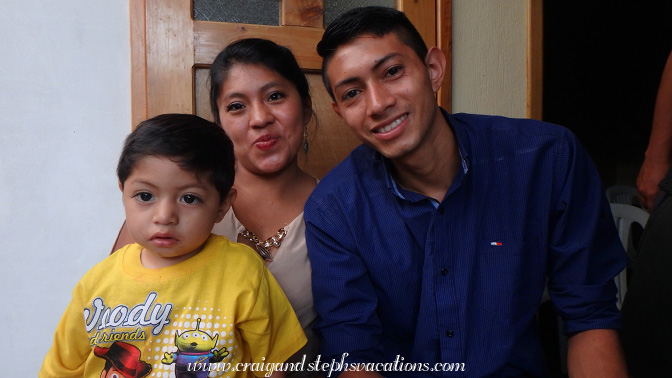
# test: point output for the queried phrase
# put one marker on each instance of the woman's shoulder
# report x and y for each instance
(229, 226)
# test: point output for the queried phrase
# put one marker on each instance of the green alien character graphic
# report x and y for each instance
(194, 348)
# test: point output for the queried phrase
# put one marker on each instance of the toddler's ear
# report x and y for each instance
(121, 187)
(226, 203)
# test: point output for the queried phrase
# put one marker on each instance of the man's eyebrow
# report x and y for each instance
(384, 59)
(378, 63)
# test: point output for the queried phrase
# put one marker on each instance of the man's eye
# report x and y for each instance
(144, 197)
(349, 94)
(190, 199)
(393, 71)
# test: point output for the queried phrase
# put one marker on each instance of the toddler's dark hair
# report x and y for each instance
(195, 144)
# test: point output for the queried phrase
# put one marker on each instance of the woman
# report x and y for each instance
(261, 98)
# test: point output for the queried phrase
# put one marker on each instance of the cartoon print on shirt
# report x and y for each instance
(122, 360)
(194, 347)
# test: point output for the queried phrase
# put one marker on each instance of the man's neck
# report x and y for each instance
(431, 168)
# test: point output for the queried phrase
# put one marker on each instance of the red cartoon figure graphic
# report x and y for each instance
(122, 360)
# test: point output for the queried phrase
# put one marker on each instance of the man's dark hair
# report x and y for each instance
(195, 144)
(374, 20)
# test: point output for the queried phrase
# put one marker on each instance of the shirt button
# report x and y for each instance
(450, 333)
(444, 271)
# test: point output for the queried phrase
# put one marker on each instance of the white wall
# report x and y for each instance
(64, 111)
(489, 57)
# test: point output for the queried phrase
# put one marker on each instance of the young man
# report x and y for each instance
(432, 243)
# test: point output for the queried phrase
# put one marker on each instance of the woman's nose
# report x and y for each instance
(260, 116)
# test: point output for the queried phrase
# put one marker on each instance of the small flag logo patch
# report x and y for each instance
(496, 244)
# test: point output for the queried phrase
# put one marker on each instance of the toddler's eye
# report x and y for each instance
(144, 197)
(190, 199)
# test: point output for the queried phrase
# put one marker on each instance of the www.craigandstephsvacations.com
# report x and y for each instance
(398, 365)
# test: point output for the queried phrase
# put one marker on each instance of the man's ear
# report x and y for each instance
(436, 67)
(226, 203)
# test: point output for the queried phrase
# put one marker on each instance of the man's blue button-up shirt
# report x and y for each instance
(399, 277)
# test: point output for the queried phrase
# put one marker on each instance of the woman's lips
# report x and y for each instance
(265, 142)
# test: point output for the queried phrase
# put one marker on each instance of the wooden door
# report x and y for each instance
(171, 54)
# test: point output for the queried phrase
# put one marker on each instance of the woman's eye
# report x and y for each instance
(275, 96)
(144, 197)
(190, 199)
(233, 107)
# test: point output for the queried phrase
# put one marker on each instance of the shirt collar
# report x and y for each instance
(462, 145)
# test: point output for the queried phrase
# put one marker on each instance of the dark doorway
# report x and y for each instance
(602, 65)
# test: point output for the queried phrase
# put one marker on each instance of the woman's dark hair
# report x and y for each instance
(195, 144)
(256, 51)
(374, 20)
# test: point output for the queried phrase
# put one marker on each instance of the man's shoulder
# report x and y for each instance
(489, 124)
(360, 163)
(345, 182)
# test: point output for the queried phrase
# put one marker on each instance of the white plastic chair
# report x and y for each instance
(623, 194)
(625, 216)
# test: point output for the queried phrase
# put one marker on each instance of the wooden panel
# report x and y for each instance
(422, 14)
(202, 93)
(212, 37)
(138, 62)
(170, 57)
(535, 63)
(302, 13)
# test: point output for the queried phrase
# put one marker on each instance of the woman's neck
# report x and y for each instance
(264, 204)
(248, 183)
